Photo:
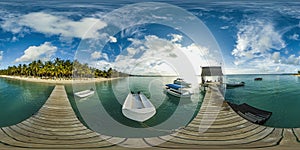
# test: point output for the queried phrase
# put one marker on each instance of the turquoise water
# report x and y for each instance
(279, 94)
(19, 100)
(102, 111)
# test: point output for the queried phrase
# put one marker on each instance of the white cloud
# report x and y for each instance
(43, 52)
(238, 70)
(102, 64)
(176, 37)
(224, 27)
(1, 55)
(154, 55)
(292, 59)
(14, 39)
(225, 18)
(55, 25)
(97, 55)
(277, 69)
(256, 39)
(294, 37)
(273, 63)
(276, 57)
(112, 39)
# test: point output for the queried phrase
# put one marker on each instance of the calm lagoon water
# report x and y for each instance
(102, 111)
(279, 94)
(19, 100)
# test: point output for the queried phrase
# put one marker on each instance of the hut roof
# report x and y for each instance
(212, 71)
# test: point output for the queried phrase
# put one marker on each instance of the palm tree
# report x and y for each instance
(48, 67)
(39, 66)
(19, 70)
(59, 69)
(34, 67)
(68, 68)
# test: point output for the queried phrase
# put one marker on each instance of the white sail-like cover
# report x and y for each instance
(84, 93)
(137, 107)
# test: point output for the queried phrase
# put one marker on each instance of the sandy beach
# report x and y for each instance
(58, 81)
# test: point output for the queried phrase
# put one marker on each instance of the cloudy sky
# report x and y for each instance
(247, 37)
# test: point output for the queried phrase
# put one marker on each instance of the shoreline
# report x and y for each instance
(58, 81)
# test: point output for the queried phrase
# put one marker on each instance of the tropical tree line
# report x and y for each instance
(59, 69)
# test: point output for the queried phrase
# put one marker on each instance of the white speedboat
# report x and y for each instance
(138, 107)
(85, 93)
(182, 82)
(178, 91)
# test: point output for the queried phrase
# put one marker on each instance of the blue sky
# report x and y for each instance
(252, 37)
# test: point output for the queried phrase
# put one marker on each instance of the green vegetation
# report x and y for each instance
(59, 69)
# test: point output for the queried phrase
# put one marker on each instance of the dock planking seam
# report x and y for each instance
(49, 129)
(37, 131)
(225, 141)
(54, 123)
(222, 134)
(30, 134)
(33, 140)
(225, 138)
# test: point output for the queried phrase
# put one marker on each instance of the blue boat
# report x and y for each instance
(178, 90)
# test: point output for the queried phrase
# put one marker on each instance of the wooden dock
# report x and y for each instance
(216, 126)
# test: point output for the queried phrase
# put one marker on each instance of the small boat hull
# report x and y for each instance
(251, 113)
(138, 116)
(229, 85)
(173, 92)
(137, 107)
(258, 79)
(85, 93)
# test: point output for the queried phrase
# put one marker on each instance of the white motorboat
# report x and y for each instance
(85, 93)
(182, 82)
(178, 91)
(138, 107)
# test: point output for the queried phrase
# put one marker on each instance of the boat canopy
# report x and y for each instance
(174, 86)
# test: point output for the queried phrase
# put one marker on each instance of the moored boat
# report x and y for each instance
(258, 79)
(138, 107)
(178, 90)
(182, 82)
(251, 113)
(232, 85)
(85, 93)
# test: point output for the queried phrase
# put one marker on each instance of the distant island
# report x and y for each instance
(298, 74)
(59, 69)
(153, 75)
